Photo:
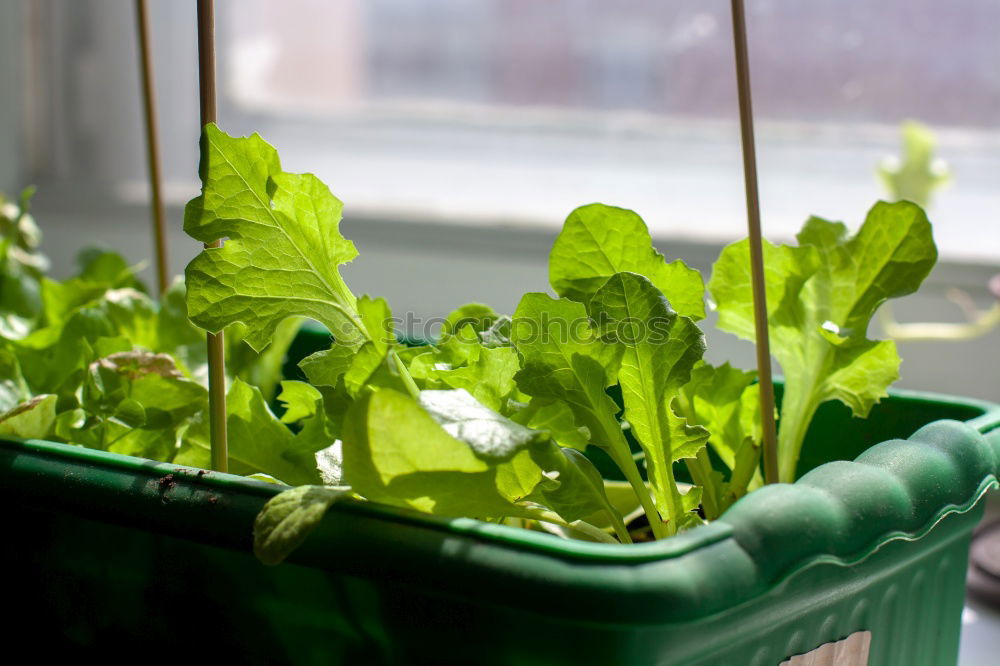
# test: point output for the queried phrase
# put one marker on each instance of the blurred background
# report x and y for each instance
(459, 133)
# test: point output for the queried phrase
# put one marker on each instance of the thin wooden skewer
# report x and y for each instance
(756, 246)
(152, 146)
(216, 341)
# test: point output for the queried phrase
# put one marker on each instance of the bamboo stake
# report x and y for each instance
(152, 146)
(763, 346)
(216, 346)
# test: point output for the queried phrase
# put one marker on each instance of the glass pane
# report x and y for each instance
(515, 111)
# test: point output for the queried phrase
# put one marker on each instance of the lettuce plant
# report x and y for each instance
(500, 417)
(491, 420)
(93, 360)
(821, 296)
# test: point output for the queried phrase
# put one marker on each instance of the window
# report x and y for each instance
(459, 133)
(512, 112)
(515, 111)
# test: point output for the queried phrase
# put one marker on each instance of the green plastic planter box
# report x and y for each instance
(119, 556)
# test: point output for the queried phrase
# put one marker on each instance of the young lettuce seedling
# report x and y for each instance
(490, 421)
(821, 296)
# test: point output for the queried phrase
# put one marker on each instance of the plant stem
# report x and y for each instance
(621, 530)
(797, 410)
(622, 457)
(701, 474)
(580, 526)
(404, 374)
(668, 497)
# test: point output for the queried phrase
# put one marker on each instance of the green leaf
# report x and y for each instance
(686, 440)
(261, 369)
(299, 399)
(426, 367)
(691, 500)
(101, 271)
(598, 241)
(461, 347)
(54, 359)
(480, 317)
(889, 257)
(726, 401)
(21, 269)
(110, 319)
(287, 519)
(101, 266)
(821, 297)
(175, 332)
(462, 361)
(20, 234)
(13, 389)
(305, 405)
(489, 378)
(32, 419)
(861, 373)
(136, 403)
(327, 367)
(266, 478)
(490, 435)
(557, 419)
(376, 318)
(159, 444)
(20, 296)
(396, 453)
(131, 413)
(786, 269)
(659, 349)
(564, 360)
(258, 441)
(132, 315)
(578, 493)
(283, 250)
(451, 455)
(168, 400)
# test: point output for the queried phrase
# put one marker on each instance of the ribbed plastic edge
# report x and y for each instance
(844, 511)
